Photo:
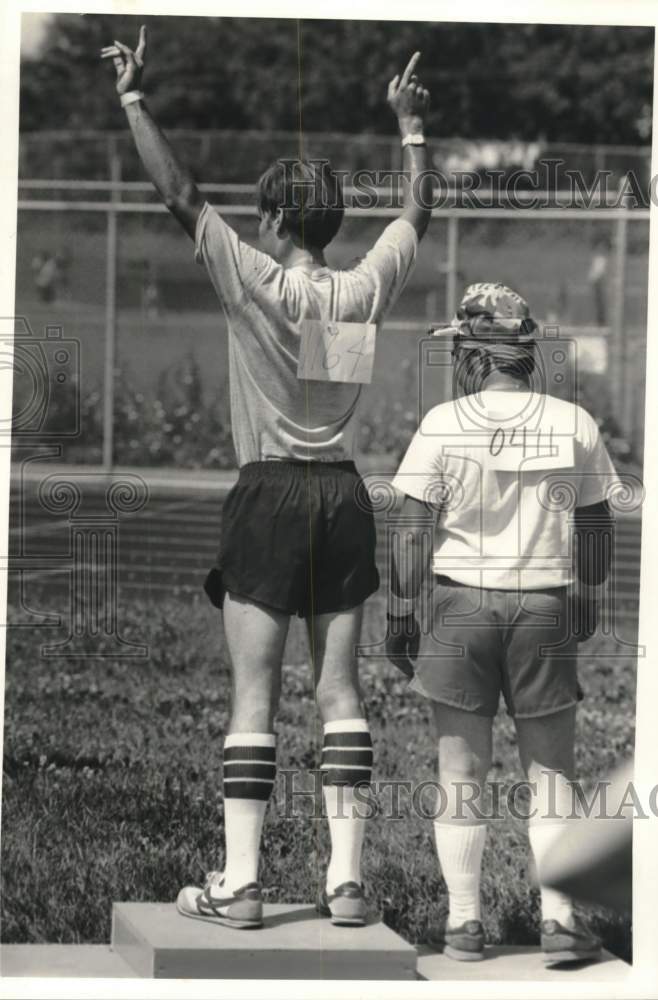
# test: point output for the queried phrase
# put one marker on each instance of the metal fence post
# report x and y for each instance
(452, 266)
(396, 155)
(620, 352)
(110, 316)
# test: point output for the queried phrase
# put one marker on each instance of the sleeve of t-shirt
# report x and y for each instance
(387, 266)
(419, 474)
(597, 475)
(234, 266)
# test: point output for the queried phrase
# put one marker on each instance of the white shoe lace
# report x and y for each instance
(214, 879)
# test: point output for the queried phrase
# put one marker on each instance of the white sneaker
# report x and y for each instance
(242, 909)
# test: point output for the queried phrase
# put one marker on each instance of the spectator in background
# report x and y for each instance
(151, 301)
(597, 280)
(46, 275)
(63, 264)
(563, 301)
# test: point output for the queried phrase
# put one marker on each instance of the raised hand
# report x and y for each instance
(128, 64)
(407, 96)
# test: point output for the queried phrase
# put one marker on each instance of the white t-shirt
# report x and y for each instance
(506, 469)
(275, 414)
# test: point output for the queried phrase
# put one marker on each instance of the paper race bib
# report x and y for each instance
(336, 352)
(518, 448)
(513, 449)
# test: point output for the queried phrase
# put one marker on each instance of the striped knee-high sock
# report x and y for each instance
(346, 762)
(249, 772)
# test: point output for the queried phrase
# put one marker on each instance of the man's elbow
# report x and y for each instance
(186, 199)
(186, 206)
(423, 222)
(419, 218)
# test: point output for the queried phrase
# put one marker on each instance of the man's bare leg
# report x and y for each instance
(546, 748)
(256, 637)
(333, 640)
(546, 745)
(347, 750)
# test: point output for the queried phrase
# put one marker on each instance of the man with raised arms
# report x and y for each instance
(295, 538)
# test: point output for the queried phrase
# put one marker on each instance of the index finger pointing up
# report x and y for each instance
(409, 70)
(141, 47)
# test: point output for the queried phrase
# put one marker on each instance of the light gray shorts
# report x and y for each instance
(482, 642)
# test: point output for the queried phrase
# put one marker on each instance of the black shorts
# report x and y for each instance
(298, 537)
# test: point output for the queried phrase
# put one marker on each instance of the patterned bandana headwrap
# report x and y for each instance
(491, 313)
(491, 320)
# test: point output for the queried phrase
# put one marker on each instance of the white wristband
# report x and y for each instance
(413, 139)
(131, 97)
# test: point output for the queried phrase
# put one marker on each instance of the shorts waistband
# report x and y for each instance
(447, 581)
(277, 468)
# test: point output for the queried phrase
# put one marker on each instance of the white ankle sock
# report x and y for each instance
(346, 761)
(249, 771)
(459, 847)
(554, 905)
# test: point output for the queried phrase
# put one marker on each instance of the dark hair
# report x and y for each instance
(311, 196)
(474, 364)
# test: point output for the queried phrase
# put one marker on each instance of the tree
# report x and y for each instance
(564, 83)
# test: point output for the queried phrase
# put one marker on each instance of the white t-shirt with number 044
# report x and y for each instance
(505, 470)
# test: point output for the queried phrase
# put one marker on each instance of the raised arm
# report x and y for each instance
(410, 101)
(173, 181)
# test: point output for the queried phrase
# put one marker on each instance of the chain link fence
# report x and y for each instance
(102, 261)
(240, 156)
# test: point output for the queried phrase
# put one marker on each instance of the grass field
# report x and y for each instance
(112, 782)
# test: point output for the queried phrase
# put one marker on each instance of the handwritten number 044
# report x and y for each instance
(499, 440)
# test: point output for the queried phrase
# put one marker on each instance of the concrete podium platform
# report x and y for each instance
(295, 943)
(152, 940)
(84, 961)
(519, 964)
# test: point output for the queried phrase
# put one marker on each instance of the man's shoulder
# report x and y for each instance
(398, 233)
(442, 417)
(569, 412)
